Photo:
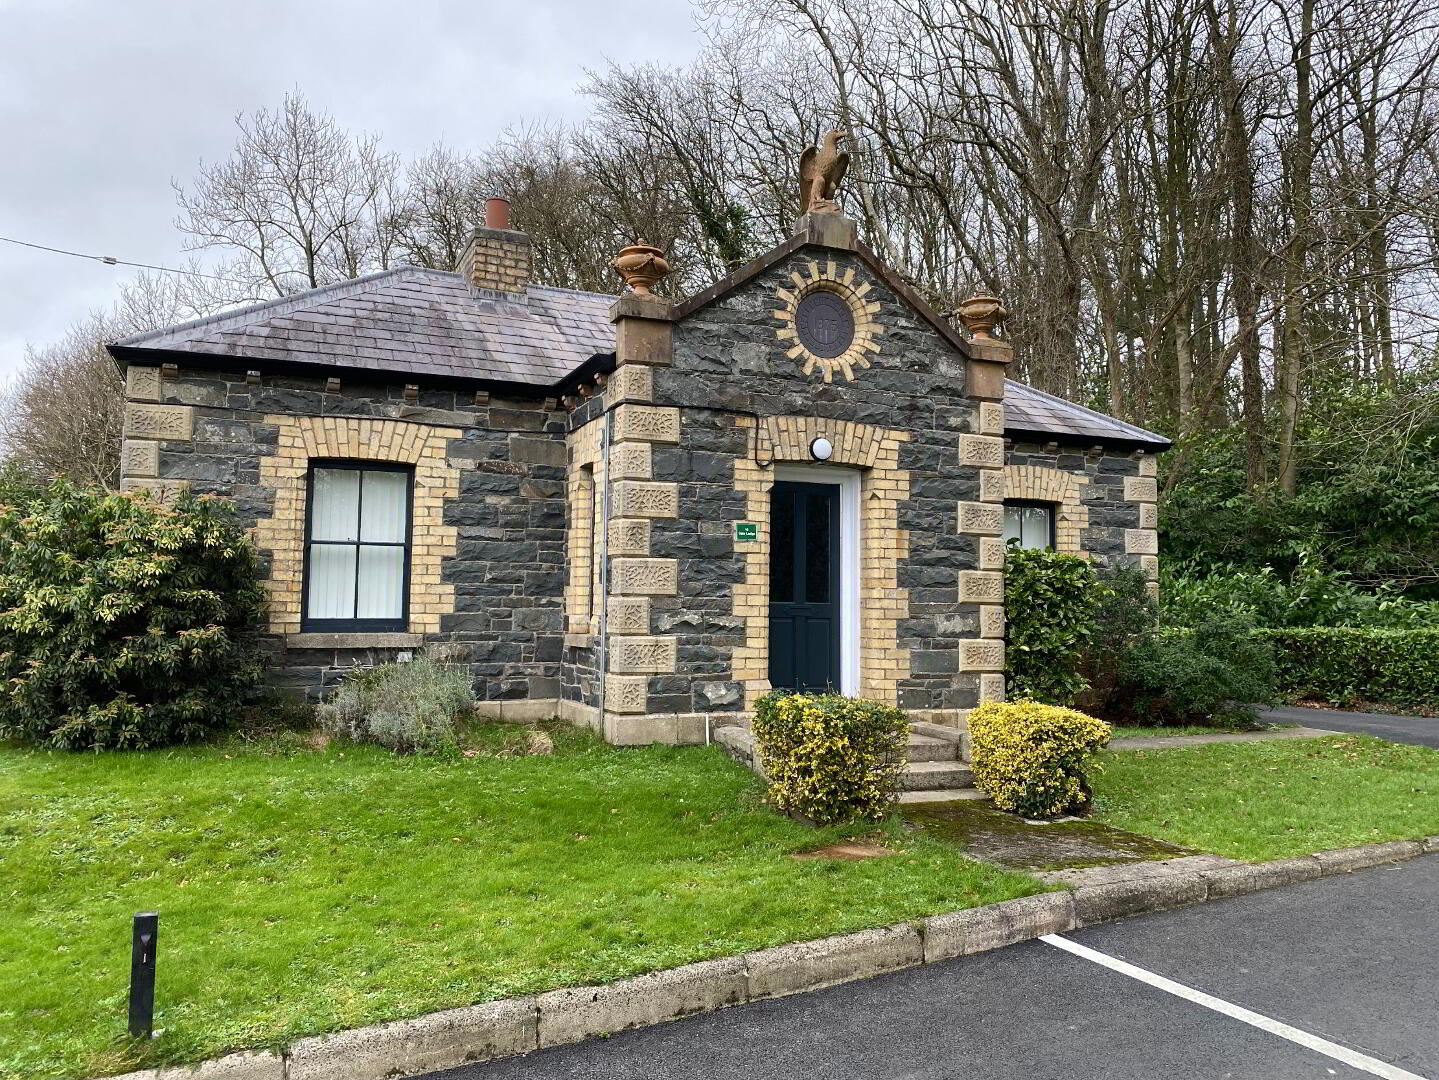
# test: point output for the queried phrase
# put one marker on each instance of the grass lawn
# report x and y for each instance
(1269, 800)
(1122, 731)
(305, 891)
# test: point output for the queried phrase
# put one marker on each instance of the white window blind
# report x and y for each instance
(358, 541)
(1029, 525)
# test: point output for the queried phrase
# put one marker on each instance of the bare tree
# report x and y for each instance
(299, 203)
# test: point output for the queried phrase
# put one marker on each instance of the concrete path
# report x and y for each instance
(1162, 742)
(1418, 730)
(1349, 959)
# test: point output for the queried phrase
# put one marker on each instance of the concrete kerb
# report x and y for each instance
(520, 1025)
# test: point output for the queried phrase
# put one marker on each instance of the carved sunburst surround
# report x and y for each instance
(838, 283)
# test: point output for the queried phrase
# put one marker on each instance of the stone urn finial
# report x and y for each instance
(981, 314)
(641, 266)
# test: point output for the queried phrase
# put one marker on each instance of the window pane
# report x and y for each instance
(816, 548)
(1036, 527)
(382, 571)
(1012, 518)
(332, 581)
(336, 513)
(383, 508)
(781, 552)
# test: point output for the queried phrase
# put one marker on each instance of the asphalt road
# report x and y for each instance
(1419, 730)
(1352, 959)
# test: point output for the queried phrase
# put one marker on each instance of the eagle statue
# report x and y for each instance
(821, 168)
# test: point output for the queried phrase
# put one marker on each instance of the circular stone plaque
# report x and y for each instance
(824, 323)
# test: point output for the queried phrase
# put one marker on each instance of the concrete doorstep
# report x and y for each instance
(522, 1025)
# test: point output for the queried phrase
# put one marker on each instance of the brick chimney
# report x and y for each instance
(497, 258)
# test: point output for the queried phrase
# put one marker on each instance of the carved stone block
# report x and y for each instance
(991, 688)
(1148, 465)
(630, 382)
(629, 536)
(142, 383)
(163, 492)
(1141, 489)
(644, 577)
(628, 614)
(991, 553)
(647, 423)
(981, 519)
(630, 461)
(981, 451)
(981, 587)
(982, 654)
(1141, 542)
(627, 693)
(1148, 516)
(991, 418)
(640, 498)
(1150, 565)
(140, 458)
(991, 621)
(172, 423)
(643, 655)
(992, 486)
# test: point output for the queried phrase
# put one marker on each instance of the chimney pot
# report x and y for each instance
(497, 213)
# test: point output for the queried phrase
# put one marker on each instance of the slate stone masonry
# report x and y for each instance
(506, 575)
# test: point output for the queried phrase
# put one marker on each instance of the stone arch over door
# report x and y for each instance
(882, 544)
(1040, 484)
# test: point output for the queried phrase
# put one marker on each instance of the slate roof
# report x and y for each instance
(1028, 411)
(432, 324)
(411, 321)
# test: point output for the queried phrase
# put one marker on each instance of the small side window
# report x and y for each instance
(1029, 524)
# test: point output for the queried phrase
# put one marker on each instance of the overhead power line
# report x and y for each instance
(110, 260)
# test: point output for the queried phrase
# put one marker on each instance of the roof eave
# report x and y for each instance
(126, 354)
(1075, 439)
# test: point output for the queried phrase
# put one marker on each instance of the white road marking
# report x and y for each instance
(1353, 1058)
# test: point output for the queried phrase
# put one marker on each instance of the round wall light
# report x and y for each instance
(821, 449)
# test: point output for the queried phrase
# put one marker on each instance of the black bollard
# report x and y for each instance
(142, 973)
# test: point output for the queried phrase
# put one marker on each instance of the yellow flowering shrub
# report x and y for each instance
(1031, 758)
(831, 758)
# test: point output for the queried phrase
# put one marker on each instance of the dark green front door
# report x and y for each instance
(804, 586)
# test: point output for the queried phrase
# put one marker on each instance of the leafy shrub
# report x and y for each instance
(830, 758)
(1217, 673)
(1342, 664)
(123, 624)
(1051, 603)
(1307, 596)
(1125, 614)
(408, 707)
(1031, 758)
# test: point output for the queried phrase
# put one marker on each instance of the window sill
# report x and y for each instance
(354, 641)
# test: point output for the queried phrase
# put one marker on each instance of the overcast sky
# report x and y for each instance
(102, 103)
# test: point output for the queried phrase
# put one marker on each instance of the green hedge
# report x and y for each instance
(1342, 664)
(830, 758)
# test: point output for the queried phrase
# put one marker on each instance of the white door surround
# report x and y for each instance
(847, 480)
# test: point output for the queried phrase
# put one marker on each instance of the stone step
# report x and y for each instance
(935, 775)
(928, 748)
(941, 795)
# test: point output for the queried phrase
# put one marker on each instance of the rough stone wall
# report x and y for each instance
(1106, 500)
(732, 371)
(488, 528)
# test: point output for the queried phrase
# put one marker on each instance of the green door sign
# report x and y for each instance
(746, 530)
